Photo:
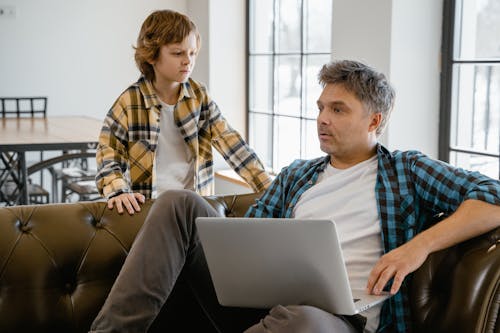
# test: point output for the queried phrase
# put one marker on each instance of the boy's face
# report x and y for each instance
(176, 61)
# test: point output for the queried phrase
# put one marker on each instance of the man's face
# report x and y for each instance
(176, 61)
(346, 128)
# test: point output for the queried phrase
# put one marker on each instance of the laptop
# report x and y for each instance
(263, 262)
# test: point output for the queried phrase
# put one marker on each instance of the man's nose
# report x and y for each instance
(322, 118)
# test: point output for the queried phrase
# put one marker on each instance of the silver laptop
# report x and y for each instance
(263, 262)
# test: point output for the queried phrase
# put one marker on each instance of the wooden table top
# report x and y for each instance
(36, 132)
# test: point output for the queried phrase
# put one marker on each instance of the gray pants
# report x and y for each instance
(167, 246)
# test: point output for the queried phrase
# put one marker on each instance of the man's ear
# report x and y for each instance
(375, 122)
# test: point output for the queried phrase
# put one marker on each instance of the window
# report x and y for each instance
(470, 97)
(288, 42)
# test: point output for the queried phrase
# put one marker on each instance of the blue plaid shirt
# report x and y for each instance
(411, 188)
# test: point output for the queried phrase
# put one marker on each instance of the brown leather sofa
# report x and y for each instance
(58, 262)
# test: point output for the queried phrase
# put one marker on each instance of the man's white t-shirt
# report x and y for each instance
(347, 196)
(174, 162)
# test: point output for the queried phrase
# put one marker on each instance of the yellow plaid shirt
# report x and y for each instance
(129, 137)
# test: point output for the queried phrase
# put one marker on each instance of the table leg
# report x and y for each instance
(23, 181)
(13, 178)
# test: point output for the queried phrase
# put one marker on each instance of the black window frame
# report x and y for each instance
(448, 60)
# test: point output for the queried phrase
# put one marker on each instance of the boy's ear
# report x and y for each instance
(152, 61)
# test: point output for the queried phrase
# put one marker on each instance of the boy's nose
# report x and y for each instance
(186, 60)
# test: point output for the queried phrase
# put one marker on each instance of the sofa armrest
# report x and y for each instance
(458, 289)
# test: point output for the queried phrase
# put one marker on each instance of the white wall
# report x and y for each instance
(227, 59)
(415, 73)
(401, 38)
(221, 64)
(198, 12)
(361, 30)
(78, 53)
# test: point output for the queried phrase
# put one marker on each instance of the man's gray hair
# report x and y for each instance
(369, 86)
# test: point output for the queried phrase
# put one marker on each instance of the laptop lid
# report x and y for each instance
(262, 262)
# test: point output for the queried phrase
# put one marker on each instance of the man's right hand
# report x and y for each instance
(128, 200)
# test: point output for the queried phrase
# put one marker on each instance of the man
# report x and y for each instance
(382, 201)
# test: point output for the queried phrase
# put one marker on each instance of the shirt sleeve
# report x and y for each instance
(238, 154)
(272, 202)
(444, 187)
(111, 154)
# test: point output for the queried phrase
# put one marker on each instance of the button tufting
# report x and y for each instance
(69, 287)
(99, 225)
(23, 227)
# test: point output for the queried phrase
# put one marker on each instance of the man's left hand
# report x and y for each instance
(397, 264)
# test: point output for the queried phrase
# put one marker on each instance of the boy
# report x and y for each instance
(159, 133)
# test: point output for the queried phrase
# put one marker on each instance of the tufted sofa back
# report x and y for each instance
(58, 262)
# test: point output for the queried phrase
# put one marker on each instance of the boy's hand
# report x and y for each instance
(128, 200)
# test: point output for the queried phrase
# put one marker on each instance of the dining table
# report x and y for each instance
(19, 135)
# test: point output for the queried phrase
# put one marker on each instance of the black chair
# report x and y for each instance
(77, 181)
(21, 107)
(75, 177)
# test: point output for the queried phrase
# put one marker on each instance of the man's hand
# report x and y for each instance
(472, 218)
(128, 200)
(397, 264)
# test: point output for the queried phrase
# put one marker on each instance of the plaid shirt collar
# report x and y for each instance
(151, 98)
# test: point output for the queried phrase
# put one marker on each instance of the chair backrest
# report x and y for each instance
(23, 106)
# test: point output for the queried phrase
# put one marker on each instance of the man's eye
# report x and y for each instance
(337, 110)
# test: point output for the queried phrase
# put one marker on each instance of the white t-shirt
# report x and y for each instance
(348, 197)
(174, 162)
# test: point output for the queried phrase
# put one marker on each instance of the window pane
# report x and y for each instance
(261, 26)
(478, 29)
(288, 26)
(313, 88)
(310, 138)
(485, 164)
(289, 85)
(318, 25)
(288, 42)
(261, 83)
(9, 105)
(287, 141)
(476, 107)
(261, 136)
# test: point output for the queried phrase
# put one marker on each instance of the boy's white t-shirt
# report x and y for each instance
(174, 162)
(347, 196)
